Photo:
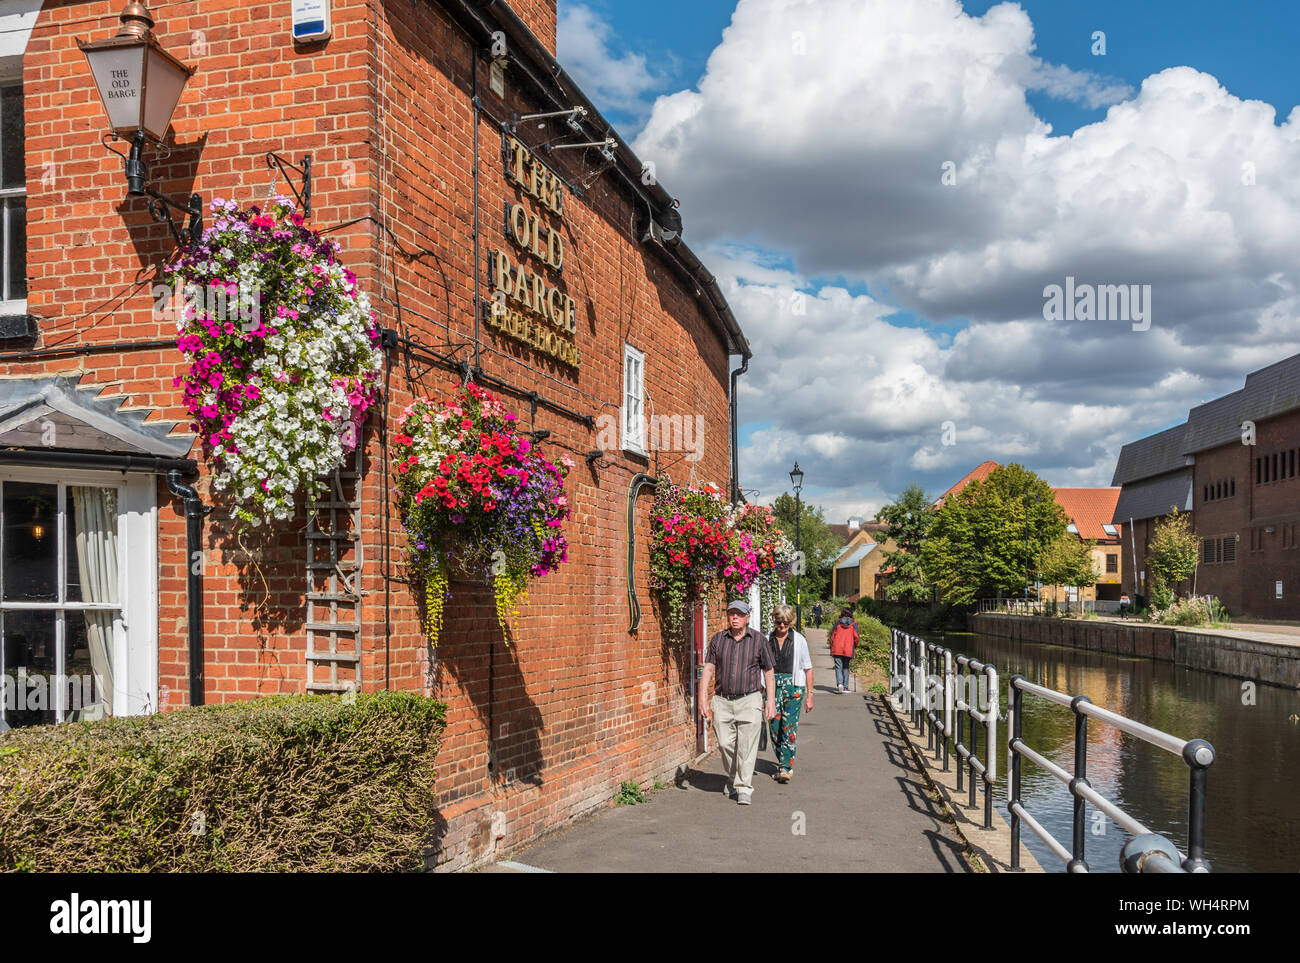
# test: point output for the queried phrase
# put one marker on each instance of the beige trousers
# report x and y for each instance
(737, 723)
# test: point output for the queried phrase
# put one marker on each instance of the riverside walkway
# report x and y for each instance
(856, 795)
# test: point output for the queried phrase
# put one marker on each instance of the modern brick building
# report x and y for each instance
(1235, 465)
(423, 164)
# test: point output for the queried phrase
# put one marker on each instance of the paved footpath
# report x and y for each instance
(856, 794)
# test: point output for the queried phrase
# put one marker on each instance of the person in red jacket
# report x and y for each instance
(844, 642)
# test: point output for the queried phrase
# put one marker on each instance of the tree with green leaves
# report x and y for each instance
(1067, 560)
(909, 521)
(819, 544)
(984, 538)
(1171, 556)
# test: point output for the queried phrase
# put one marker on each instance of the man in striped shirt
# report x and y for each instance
(741, 662)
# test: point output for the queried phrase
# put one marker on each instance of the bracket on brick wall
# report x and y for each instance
(274, 160)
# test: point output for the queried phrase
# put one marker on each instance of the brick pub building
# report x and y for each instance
(1235, 465)
(442, 193)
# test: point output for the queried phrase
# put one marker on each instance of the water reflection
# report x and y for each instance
(1254, 783)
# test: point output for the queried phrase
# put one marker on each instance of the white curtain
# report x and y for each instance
(96, 545)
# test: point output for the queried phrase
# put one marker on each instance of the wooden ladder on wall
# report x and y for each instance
(334, 557)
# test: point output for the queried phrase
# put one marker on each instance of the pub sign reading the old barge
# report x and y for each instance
(524, 306)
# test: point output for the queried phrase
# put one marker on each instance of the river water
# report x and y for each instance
(1253, 820)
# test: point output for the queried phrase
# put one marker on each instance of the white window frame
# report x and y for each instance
(633, 407)
(135, 626)
(11, 73)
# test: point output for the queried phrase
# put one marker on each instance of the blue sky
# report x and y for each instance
(1250, 47)
(924, 303)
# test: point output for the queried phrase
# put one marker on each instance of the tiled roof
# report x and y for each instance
(1151, 456)
(1269, 391)
(1153, 497)
(1154, 471)
(1089, 509)
(978, 473)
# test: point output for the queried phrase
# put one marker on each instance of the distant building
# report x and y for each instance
(1091, 512)
(854, 574)
(1091, 516)
(856, 523)
(1235, 465)
(978, 473)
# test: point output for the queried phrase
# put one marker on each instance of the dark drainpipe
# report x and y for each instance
(194, 512)
(735, 449)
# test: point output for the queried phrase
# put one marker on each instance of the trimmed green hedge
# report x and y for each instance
(288, 783)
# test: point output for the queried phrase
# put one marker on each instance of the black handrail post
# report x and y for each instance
(1199, 754)
(1013, 747)
(1077, 863)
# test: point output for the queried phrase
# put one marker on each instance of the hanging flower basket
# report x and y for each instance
(281, 346)
(774, 555)
(699, 542)
(478, 497)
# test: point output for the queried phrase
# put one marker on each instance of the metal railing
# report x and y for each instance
(1022, 606)
(940, 690)
(943, 707)
(1197, 753)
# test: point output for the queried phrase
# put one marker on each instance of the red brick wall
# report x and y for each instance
(576, 703)
(540, 17)
(88, 245)
(1275, 505)
(1226, 516)
(1247, 586)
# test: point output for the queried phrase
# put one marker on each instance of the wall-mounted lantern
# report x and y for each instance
(140, 85)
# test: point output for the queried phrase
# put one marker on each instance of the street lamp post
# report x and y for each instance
(796, 479)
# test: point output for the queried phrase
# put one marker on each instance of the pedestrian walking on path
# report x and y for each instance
(817, 615)
(741, 662)
(860, 804)
(794, 678)
(844, 643)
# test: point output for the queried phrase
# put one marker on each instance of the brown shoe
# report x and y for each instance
(784, 775)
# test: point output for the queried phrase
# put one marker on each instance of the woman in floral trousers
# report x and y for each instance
(794, 681)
